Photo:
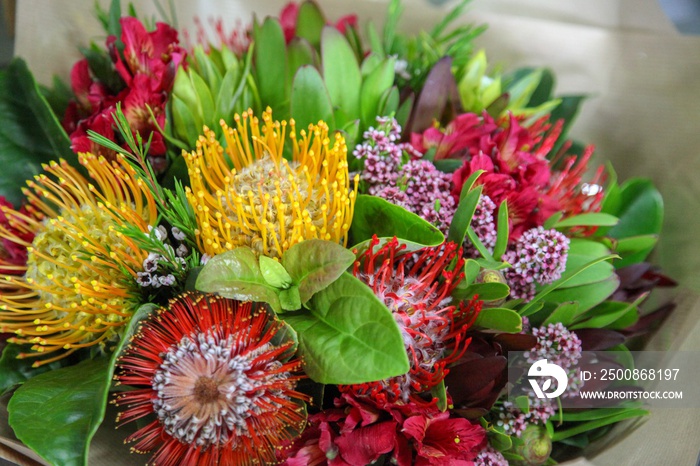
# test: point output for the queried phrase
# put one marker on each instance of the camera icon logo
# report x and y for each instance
(544, 368)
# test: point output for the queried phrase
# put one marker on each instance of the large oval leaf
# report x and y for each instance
(348, 335)
(270, 63)
(236, 274)
(341, 74)
(57, 413)
(377, 216)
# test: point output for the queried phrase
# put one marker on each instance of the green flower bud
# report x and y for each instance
(535, 448)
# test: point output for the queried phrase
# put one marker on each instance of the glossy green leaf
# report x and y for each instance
(75, 410)
(635, 244)
(310, 101)
(314, 264)
(502, 228)
(236, 274)
(15, 371)
(299, 53)
(439, 391)
(607, 313)
(271, 62)
(348, 336)
(581, 252)
(274, 273)
(471, 271)
(590, 219)
(373, 87)
(341, 74)
(310, 23)
(499, 319)
(377, 216)
(30, 134)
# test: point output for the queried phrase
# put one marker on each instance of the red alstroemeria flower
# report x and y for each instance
(155, 54)
(444, 441)
(461, 138)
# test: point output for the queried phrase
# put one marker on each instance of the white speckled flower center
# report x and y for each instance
(206, 390)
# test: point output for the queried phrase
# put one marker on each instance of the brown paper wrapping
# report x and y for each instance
(643, 115)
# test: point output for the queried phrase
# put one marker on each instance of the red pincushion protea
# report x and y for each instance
(417, 289)
(217, 375)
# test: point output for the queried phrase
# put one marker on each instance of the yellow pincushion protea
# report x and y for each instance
(78, 284)
(248, 194)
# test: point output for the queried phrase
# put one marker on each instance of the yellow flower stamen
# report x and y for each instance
(248, 194)
(77, 288)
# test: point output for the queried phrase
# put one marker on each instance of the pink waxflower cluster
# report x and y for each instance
(358, 431)
(490, 457)
(538, 257)
(392, 172)
(514, 158)
(144, 65)
(514, 421)
(556, 344)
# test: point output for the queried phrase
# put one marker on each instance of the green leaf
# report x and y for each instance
(377, 216)
(310, 101)
(500, 320)
(581, 252)
(567, 276)
(586, 296)
(274, 273)
(61, 405)
(595, 424)
(348, 336)
(564, 313)
(463, 215)
(310, 23)
(341, 74)
(523, 402)
(314, 264)
(634, 244)
(373, 87)
(607, 313)
(486, 291)
(30, 134)
(290, 299)
(270, 62)
(471, 271)
(236, 274)
(14, 371)
(440, 392)
(591, 219)
(299, 53)
(502, 231)
(598, 413)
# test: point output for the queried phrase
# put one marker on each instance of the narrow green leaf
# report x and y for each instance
(348, 336)
(595, 424)
(607, 313)
(440, 392)
(502, 228)
(499, 319)
(566, 277)
(274, 273)
(476, 242)
(30, 133)
(564, 313)
(471, 271)
(463, 215)
(634, 244)
(341, 74)
(586, 296)
(314, 264)
(236, 274)
(271, 62)
(310, 101)
(290, 299)
(598, 413)
(469, 183)
(299, 53)
(590, 219)
(552, 220)
(492, 291)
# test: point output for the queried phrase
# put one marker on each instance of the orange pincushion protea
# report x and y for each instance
(77, 287)
(218, 376)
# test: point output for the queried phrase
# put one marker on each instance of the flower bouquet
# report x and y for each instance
(309, 242)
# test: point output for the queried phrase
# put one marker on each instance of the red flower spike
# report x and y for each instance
(417, 289)
(218, 380)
